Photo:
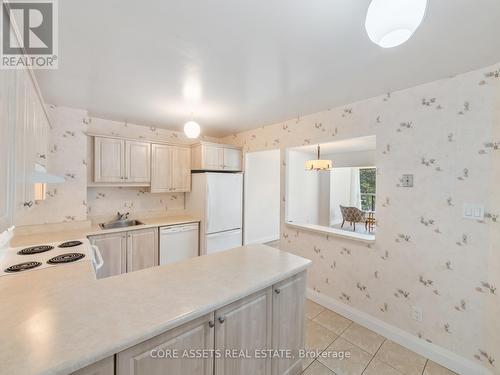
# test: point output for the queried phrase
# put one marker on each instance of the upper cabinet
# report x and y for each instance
(215, 157)
(7, 147)
(121, 161)
(30, 125)
(170, 169)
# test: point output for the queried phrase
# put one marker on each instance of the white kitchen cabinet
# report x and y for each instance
(121, 161)
(170, 169)
(142, 249)
(109, 163)
(181, 169)
(195, 335)
(137, 161)
(272, 318)
(232, 159)
(245, 325)
(215, 157)
(31, 140)
(7, 126)
(113, 248)
(127, 251)
(103, 367)
(288, 323)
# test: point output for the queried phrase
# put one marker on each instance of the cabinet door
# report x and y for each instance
(161, 168)
(7, 122)
(212, 157)
(103, 367)
(232, 159)
(288, 323)
(142, 249)
(109, 154)
(24, 146)
(181, 169)
(137, 161)
(144, 358)
(113, 248)
(244, 325)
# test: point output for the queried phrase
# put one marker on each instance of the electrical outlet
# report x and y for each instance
(417, 313)
(407, 180)
(473, 211)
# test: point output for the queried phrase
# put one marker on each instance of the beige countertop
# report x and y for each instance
(41, 236)
(60, 319)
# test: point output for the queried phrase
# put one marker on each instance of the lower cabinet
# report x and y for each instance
(235, 340)
(288, 323)
(142, 249)
(104, 367)
(245, 327)
(113, 248)
(166, 353)
(127, 251)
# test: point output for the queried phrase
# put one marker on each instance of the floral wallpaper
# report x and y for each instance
(446, 133)
(68, 157)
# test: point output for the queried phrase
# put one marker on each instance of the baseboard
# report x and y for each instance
(444, 357)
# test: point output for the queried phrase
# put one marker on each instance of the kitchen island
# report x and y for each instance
(60, 320)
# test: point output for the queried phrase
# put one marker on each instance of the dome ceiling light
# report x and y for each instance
(192, 129)
(390, 23)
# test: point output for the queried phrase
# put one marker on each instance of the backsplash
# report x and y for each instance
(446, 134)
(105, 202)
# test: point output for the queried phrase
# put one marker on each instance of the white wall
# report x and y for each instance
(447, 141)
(352, 159)
(302, 189)
(342, 192)
(262, 197)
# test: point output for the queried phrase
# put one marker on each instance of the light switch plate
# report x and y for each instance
(407, 180)
(473, 211)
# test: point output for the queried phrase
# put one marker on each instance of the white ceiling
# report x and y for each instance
(239, 64)
(368, 143)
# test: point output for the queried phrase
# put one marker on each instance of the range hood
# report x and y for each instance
(40, 176)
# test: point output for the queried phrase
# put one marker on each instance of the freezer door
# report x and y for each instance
(223, 241)
(224, 202)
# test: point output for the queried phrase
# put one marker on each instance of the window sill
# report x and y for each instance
(368, 238)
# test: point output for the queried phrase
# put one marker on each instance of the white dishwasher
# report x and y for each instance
(178, 242)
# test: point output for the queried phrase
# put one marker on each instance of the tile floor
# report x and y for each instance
(370, 353)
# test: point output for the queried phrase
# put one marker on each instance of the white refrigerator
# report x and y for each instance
(217, 200)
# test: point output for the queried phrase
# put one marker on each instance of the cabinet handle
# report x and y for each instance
(28, 204)
(211, 324)
(222, 319)
(277, 291)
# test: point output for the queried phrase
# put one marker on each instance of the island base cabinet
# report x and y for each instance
(241, 338)
(288, 323)
(103, 367)
(157, 355)
(244, 327)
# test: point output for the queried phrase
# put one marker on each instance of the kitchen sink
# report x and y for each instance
(120, 224)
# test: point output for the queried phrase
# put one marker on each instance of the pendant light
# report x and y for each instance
(390, 23)
(318, 164)
(192, 129)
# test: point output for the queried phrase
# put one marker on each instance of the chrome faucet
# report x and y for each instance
(122, 217)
